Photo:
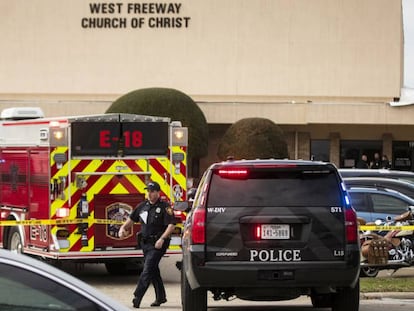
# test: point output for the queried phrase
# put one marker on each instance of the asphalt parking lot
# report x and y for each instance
(121, 289)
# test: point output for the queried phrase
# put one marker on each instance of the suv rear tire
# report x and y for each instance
(347, 299)
(192, 300)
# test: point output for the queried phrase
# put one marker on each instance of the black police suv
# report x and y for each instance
(271, 230)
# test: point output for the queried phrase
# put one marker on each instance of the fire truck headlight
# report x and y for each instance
(180, 136)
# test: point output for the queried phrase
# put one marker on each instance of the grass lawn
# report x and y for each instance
(401, 281)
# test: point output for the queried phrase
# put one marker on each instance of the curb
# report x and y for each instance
(393, 295)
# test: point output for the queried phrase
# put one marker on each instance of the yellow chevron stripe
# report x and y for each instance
(97, 186)
(63, 172)
(74, 237)
(139, 184)
(57, 150)
(92, 166)
(169, 167)
(119, 189)
(102, 181)
(90, 247)
(157, 177)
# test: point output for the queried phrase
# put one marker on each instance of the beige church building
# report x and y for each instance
(329, 72)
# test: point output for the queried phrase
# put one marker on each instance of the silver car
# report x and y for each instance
(29, 284)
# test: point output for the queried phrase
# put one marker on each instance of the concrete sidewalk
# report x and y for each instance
(393, 295)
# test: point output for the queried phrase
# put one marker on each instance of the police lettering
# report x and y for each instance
(275, 255)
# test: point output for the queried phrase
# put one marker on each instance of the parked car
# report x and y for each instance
(400, 185)
(384, 173)
(373, 203)
(271, 230)
(29, 284)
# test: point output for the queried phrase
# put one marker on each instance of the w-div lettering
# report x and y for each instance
(217, 210)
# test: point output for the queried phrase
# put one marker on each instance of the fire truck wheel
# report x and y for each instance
(15, 241)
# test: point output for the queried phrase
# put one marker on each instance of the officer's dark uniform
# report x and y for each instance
(158, 216)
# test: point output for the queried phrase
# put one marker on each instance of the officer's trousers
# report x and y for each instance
(151, 272)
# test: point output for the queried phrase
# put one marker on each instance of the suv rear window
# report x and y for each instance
(273, 187)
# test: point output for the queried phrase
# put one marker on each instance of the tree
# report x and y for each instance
(171, 103)
(253, 138)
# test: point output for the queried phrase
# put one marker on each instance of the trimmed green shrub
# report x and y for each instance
(165, 102)
(253, 138)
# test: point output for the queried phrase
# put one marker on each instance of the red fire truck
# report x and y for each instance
(67, 183)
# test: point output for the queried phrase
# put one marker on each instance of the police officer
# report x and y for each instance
(157, 223)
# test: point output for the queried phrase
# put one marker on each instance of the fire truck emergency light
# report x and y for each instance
(180, 136)
(58, 137)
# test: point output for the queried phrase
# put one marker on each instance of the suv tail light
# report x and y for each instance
(198, 233)
(351, 225)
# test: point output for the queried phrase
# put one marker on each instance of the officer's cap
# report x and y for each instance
(153, 186)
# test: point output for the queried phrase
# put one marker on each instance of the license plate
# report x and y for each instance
(275, 232)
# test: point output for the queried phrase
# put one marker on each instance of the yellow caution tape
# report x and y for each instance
(91, 221)
(34, 222)
(385, 228)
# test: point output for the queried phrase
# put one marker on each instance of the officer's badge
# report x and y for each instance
(157, 210)
(169, 210)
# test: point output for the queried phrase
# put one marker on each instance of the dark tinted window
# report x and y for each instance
(276, 188)
(320, 149)
(24, 290)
